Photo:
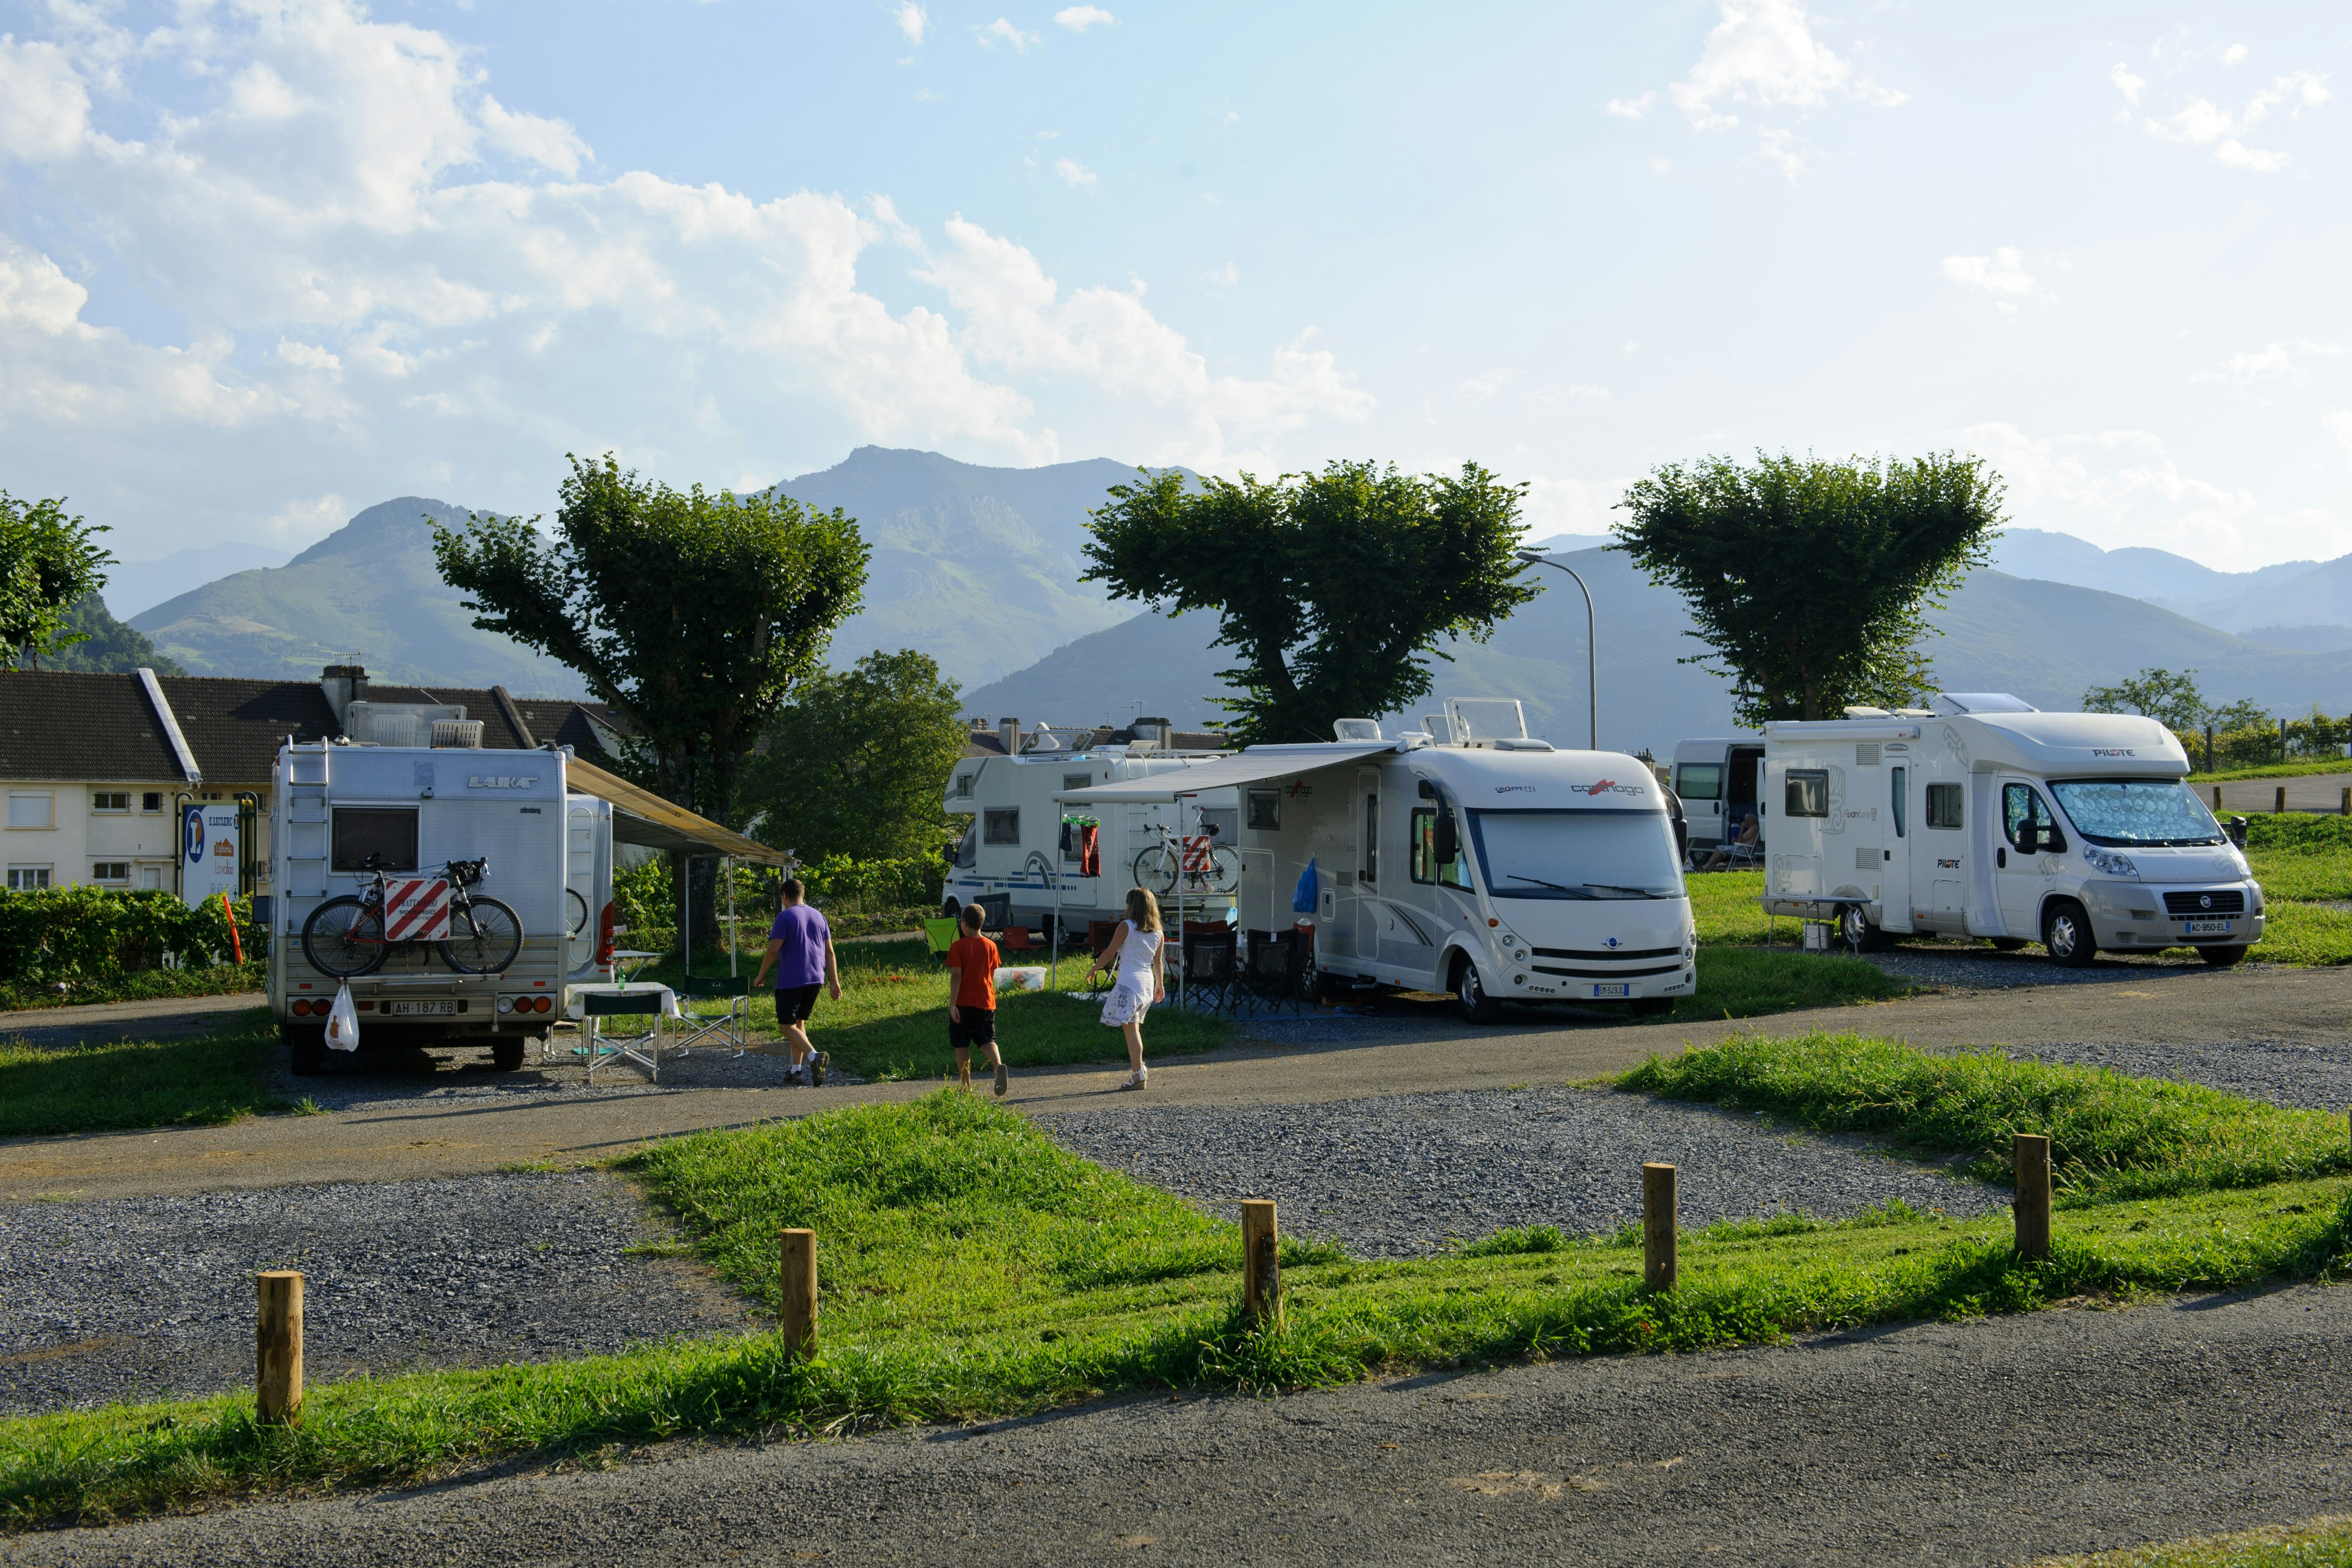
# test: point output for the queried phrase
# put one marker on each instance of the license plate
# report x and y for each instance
(2212, 928)
(1612, 990)
(423, 1009)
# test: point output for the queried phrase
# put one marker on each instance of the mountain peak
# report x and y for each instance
(398, 525)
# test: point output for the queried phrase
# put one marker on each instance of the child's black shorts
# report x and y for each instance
(795, 1002)
(978, 1028)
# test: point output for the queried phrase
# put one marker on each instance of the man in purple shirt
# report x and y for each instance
(800, 949)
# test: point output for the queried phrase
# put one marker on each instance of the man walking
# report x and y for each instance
(800, 949)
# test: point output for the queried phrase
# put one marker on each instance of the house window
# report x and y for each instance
(31, 809)
(1266, 808)
(27, 879)
(389, 834)
(111, 871)
(110, 801)
(1000, 824)
(1808, 793)
(1943, 805)
(152, 800)
(150, 877)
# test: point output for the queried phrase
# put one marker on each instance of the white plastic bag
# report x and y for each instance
(344, 1023)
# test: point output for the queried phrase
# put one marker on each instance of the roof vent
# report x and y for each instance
(466, 733)
(1356, 729)
(1981, 702)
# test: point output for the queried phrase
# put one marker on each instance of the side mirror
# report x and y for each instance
(1682, 839)
(1449, 840)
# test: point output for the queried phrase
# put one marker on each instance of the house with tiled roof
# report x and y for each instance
(97, 766)
(1007, 738)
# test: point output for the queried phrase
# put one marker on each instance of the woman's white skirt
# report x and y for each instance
(1126, 1004)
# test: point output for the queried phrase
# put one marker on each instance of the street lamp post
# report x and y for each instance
(1591, 647)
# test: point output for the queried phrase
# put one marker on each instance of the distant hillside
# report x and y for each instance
(2135, 571)
(134, 587)
(2322, 596)
(108, 646)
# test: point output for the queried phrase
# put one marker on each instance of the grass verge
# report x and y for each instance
(201, 1082)
(2325, 1542)
(2302, 769)
(1749, 981)
(145, 984)
(972, 1269)
(2111, 1135)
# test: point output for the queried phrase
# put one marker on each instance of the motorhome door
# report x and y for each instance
(2024, 857)
(1894, 900)
(1368, 863)
(1743, 768)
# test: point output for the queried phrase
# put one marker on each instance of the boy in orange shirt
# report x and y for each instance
(972, 999)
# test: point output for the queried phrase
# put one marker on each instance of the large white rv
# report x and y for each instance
(1465, 857)
(1982, 816)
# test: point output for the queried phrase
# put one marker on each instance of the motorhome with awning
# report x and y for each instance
(1466, 856)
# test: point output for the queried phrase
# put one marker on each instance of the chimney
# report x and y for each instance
(343, 685)
(1160, 732)
(1008, 735)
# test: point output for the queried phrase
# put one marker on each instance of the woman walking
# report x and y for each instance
(1135, 951)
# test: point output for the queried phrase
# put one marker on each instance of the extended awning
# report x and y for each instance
(1259, 764)
(641, 817)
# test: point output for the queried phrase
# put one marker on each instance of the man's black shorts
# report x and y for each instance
(978, 1028)
(795, 1002)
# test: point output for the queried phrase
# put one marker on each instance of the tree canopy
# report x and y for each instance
(693, 615)
(857, 763)
(1809, 580)
(48, 563)
(1336, 589)
(105, 646)
(2171, 700)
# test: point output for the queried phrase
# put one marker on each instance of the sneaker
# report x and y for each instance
(796, 1075)
(820, 1063)
(1002, 1079)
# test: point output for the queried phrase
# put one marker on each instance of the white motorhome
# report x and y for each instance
(1014, 860)
(1466, 857)
(1716, 780)
(1982, 816)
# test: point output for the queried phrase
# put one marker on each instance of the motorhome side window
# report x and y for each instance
(1000, 824)
(388, 833)
(1899, 785)
(1700, 781)
(1943, 805)
(1266, 808)
(1371, 838)
(1427, 866)
(1808, 792)
(2025, 818)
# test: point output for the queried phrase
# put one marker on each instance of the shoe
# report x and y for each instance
(1002, 1079)
(796, 1075)
(820, 1063)
(1136, 1080)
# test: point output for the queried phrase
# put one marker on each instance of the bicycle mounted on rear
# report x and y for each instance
(347, 937)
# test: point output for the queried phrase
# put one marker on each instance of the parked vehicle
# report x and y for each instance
(442, 826)
(1981, 815)
(1716, 782)
(1467, 857)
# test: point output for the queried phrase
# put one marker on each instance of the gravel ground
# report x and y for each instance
(1973, 965)
(2290, 1073)
(1397, 1177)
(138, 1297)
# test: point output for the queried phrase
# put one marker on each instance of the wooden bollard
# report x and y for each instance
(1658, 1239)
(1261, 1260)
(2348, 800)
(2281, 799)
(799, 1247)
(2028, 1154)
(277, 1347)
(2217, 798)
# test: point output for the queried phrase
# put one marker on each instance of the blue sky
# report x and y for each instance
(263, 264)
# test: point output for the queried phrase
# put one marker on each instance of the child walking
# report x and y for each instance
(972, 999)
(1135, 951)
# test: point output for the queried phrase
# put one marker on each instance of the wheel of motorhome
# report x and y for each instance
(484, 937)
(2067, 934)
(306, 1049)
(344, 937)
(1477, 1006)
(506, 1054)
(1854, 929)
(1217, 870)
(576, 907)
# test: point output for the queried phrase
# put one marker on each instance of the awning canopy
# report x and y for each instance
(641, 817)
(1259, 764)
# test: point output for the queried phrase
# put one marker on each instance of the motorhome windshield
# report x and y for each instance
(1576, 854)
(2137, 811)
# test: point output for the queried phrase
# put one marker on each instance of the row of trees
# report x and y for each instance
(2241, 733)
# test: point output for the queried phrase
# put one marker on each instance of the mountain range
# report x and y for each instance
(979, 567)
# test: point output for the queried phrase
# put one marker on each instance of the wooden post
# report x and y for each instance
(2281, 804)
(2217, 798)
(2030, 1172)
(278, 1348)
(799, 1293)
(1261, 1260)
(2348, 800)
(1658, 1249)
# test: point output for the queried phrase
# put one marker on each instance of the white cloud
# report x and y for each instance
(1569, 506)
(1074, 172)
(912, 21)
(1004, 32)
(2273, 362)
(44, 107)
(1078, 19)
(2201, 122)
(303, 521)
(2130, 85)
(2002, 273)
(550, 143)
(1229, 276)
(2233, 54)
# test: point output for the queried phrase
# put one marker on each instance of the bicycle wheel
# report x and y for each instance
(577, 908)
(1156, 869)
(344, 937)
(1224, 868)
(484, 937)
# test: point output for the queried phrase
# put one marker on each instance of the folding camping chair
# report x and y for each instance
(595, 1007)
(1210, 971)
(728, 1028)
(941, 935)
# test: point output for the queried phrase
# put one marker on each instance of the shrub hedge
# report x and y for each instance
(78, 935)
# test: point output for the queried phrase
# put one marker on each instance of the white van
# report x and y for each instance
(1465, 857)
(1981, 815)
(1716, 780)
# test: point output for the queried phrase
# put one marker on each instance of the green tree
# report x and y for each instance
(1809, 580)
(49, 562)
(101, 642)
(856, 764)
(693, 615)
(1334, 588)
(2170, 699)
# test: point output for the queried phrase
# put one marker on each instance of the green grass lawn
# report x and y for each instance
(2300, 769)
(2318, 1543)
(140, 1083)
(145, 984)
(970, 1267)
(1752, 981)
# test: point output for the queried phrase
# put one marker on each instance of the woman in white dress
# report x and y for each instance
(1134, 953)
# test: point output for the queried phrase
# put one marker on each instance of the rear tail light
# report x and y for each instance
(300, 1007)
(545, 1004)
(604, 939)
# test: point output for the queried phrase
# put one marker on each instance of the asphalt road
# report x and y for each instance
(1990, 1442)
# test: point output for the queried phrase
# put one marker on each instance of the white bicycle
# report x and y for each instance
(1205, 865)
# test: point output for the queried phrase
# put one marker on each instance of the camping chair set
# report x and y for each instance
(660, 1005)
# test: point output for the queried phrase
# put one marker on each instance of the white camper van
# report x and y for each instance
(1716, 781)
(1466, 857)
(1983, 816)
(343, 814)
(1014, 861)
